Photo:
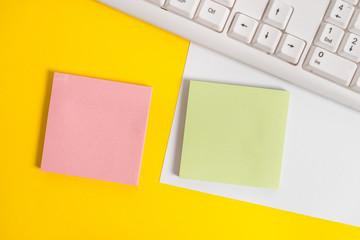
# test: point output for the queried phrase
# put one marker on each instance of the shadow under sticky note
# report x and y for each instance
(234, 134)
(96, 128)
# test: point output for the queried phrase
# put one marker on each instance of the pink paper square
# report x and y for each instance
(96, 128)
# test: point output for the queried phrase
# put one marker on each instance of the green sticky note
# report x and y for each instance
(234, 134)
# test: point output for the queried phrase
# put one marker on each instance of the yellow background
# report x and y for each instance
(84, 37)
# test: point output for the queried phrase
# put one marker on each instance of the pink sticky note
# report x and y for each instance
(96, 128)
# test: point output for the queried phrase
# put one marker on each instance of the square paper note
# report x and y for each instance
(234, 134)
(96, 129)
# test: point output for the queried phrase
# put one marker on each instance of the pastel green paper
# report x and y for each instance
(234, 134)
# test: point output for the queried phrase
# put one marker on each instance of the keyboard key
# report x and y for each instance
(212, 15)
(186, 8)
(227, 3)
(350, 47)
(290, 48)
(278, 14)
(355, 84)
(354, 25)
(267, 38)
(243, 28)
(329, 37)
(157, 2)
(330, 66)
(339, 13)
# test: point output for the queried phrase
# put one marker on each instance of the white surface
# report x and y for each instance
(321, 164)
(303, 24)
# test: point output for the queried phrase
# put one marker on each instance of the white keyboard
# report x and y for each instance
(314, 44)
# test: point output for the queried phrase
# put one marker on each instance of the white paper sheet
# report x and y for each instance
(321, 164)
